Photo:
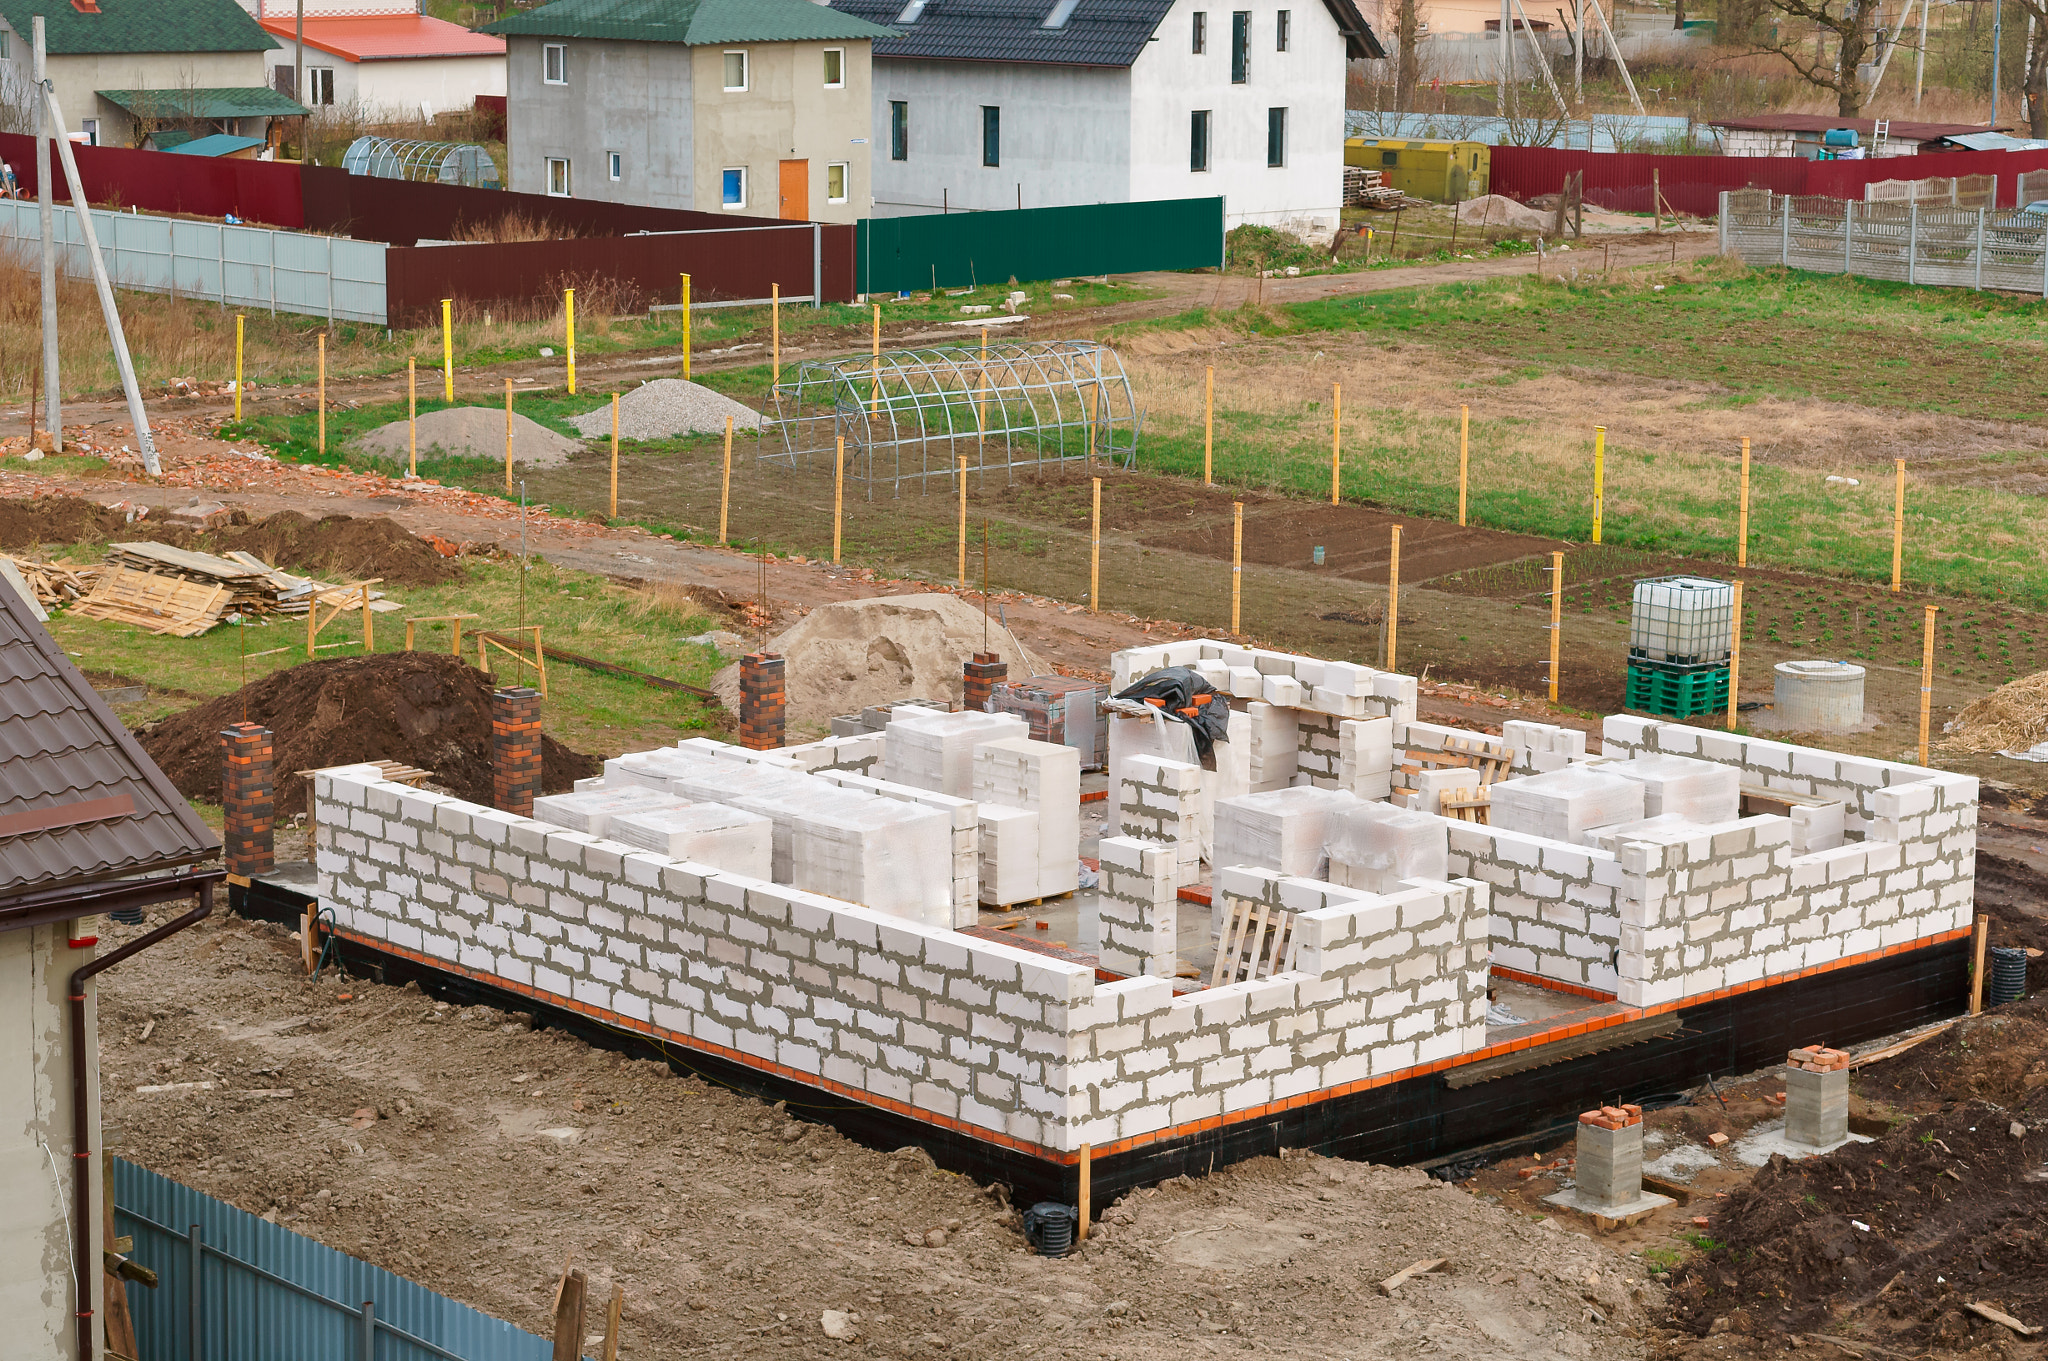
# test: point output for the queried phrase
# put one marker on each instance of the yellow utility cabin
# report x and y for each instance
(1443, 172)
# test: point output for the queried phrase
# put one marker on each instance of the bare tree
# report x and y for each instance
(2035, 87)
(1850, 22)
(1408, 61)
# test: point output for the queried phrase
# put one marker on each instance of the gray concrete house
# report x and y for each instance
(760, 108)
(989, 104)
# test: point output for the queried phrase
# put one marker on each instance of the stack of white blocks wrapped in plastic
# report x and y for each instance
(1029, 794)
(1283, 829)
(1375, 846)
(928, 749)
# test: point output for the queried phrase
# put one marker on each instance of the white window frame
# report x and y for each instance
(6, 52)
(91, 128)
(1283, 31)
(548, 181)
(558, 54)
(320, 80)
(845, 169)
(615, 164)
(840, 53)
(741, 206)
(746, 70)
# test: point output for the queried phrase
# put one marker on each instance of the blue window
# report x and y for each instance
(736, 187)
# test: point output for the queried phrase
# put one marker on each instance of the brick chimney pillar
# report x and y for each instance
(249, 797)
(515, 749)
(762, 701)
(981, 676)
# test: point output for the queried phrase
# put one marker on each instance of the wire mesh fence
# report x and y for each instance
(913, 418)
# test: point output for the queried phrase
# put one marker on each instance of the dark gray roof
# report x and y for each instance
(1098, 33)
(79, 800)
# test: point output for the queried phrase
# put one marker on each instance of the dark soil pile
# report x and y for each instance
(2014, 895)
(1893, 1237)
(333, 546)
(427, 709)
(2000, 1056)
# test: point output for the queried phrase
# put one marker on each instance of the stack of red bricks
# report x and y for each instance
(1613, 1117)
(515, 749)
(763, 701)
(1815, 1058)
(248, 797)
(982, 674)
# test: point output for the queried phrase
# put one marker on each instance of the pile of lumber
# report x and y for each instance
(55, 583)
(1368, 189)
(162, 604)
(251, 585)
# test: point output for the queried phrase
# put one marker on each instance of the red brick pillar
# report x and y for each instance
(515, 748)
(981, 676)
(762, 701)
(249, 797)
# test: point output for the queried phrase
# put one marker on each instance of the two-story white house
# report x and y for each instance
(990, 104)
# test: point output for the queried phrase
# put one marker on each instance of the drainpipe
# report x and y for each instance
(81, 1154)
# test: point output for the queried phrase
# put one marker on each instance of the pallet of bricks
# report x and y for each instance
(1063, 710)
(1680, 633)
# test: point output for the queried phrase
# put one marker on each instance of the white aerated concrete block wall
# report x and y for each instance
(947, 1024)
(1007, 868)
(1275, 746)
(961, 818)
(1309, 684)
(860, 754)
(1538, 748)
(1161, 801)
(1365, 757)
(1556, 907)
(1136, 909)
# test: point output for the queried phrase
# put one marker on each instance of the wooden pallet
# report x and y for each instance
(1245, 946)
(1467, 805)
(163, 605)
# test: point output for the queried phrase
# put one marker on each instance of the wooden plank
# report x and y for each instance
(1087, 1160)
(614, 1317)
(2001, 1318)
(1409, 1272)
(1678, 1191)
(1891, 1051)
(570, 1295)
(1556, 1051)
(610, 668)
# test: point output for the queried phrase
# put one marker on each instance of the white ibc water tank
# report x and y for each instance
(1819, 696)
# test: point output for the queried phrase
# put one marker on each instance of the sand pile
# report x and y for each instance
(665, 408)
(427, 709)
(852, 653)
(2011, 718)
(475, 432)
(1495, 210)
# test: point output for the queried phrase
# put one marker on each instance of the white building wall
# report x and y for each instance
(1066, 136)
(400, 86)
(1170, 81)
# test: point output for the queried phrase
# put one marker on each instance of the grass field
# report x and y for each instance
(590, 711)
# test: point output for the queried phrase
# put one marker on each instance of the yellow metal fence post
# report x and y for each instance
(447, 349)
(1464, 456)
(838, 495)
(1599, 476)
(323, 394)
(1899, 525)
(1095, 553)
(1209, 428)
(1336, 440)
(1735, 659)
(960, 473)
(1742, 512)
(775, 330)
(1556, 618)
(412, 416)
(725, 482)
(615, 456)
(686, 328)
(1236, 565)
(569, 340)
(1927, 678)
(238, 367)
(508, 434)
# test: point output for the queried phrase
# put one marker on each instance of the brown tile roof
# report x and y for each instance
(79, 800)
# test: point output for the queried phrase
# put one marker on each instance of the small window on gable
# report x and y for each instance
(911, 11)
(835, 68)
(1283, 31)
(1201, 43)
(616, 164)
(558, 177)
(835, 182)
(734, 188)
(1061, 12)
(736, 70)
(554, 64)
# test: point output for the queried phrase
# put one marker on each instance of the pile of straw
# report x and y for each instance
(2013, 717)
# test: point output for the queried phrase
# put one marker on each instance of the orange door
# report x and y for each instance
(796, 190)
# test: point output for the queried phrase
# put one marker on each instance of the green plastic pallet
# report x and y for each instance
(1679, 693)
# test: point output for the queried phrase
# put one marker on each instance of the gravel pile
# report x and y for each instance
(477, 432)
(665, 408)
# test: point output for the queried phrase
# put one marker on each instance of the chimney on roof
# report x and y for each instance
(86, 6)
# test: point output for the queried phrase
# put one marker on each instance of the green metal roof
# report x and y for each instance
(123, 26)
(249, 101)
(694, 22)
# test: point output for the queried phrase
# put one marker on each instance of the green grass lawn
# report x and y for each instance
(583, 613)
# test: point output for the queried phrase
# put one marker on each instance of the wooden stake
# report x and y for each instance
(1556, 617)
(508, 434)
(615, 456)
(614, 1318)
(1236, 566)
(1599, 476)
(1464, 456)
(569, 1302)
(1209, 429)
(1735, 658)
(569, 327)
(775, 330)
(1899, 526)
(412, 416)
(1095, 553)
(1336, 440)
(447, 350)
(725, 483)
(1980, 934)
(369, 629)
(323, 403)
(238, 371)
(1393, 594)
(1087, 1157)
(1927, 678)
(686, 334)
(960, 474)
(1742, 512)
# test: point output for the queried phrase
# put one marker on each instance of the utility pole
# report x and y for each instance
(1920, 57)
(1500, 86)
(1997, 22)
(1579, 59)
(299, 72)
(53, 418)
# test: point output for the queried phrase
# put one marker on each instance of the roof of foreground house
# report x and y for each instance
(79, 799)
(390, 37)
(124, 26)
(1089, 32)
(692, 22)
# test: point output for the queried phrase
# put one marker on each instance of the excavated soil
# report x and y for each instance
(427, 709)
(333, 545)
(1886, 1241)
(2000, 1056)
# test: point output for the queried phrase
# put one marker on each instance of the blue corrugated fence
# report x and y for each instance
(233, 1286)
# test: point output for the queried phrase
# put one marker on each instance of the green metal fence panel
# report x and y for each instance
(958, 250)
(233, 1287)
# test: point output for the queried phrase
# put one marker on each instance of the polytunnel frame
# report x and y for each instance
(911, 416)
(405, 158)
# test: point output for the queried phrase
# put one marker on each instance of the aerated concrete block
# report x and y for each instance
(1816, 1107)
(1564, 804)
(1376, 846)
(1700, 790)
(1283, 829)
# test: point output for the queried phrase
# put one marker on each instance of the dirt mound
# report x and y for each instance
(852, 653)
(1496, 210)
(1905, 1231)
(55, 519)
(2011, 718)
(475, 432)
(427, 709)
(334, 546)
(2000, 1056)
